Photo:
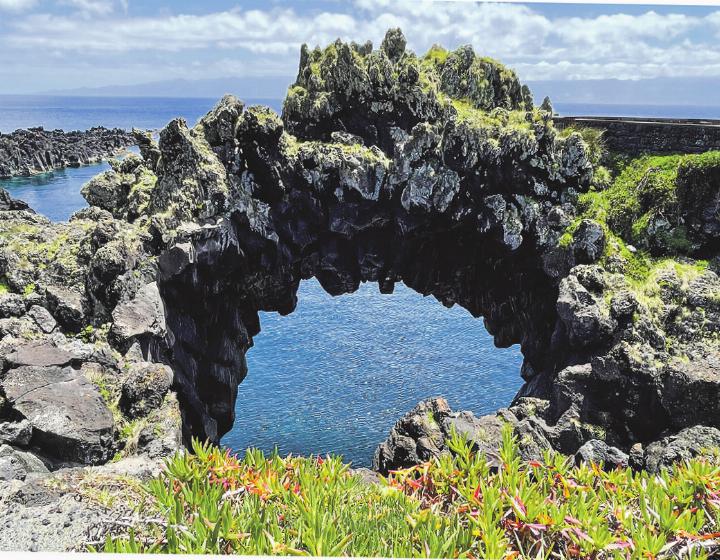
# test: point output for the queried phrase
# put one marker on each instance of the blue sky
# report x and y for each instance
(60, 44)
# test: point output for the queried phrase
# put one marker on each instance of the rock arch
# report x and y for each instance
(436, 171)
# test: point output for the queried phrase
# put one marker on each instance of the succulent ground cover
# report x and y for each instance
(457, 505)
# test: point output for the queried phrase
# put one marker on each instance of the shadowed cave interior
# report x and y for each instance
(213, 304)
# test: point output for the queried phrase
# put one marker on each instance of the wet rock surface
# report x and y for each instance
(35, 150)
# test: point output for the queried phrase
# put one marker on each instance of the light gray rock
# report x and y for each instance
(143, 315)
(16, 464)
(42, 353)
(597, 451)
(43, 318)
(686, 444)
(16, 433)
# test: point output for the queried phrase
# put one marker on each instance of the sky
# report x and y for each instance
(64, 44)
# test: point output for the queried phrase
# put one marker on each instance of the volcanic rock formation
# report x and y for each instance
(435, 171)
(32, 151)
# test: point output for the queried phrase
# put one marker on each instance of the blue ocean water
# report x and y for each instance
(81, 113)
(338, 372)
(55, 194)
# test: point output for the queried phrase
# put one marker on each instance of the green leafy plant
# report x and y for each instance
(458, 505)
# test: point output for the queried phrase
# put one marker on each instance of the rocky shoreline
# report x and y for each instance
(124, 330)
(36, 150)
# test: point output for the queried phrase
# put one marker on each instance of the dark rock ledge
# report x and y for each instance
(124, 330)
(35, 150)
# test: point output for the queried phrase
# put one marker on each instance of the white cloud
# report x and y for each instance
(266, 41)
(16, 5)
(92, 8)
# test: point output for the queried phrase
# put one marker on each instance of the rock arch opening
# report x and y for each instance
(336, 374)
(214, 288)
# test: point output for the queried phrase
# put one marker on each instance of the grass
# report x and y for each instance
(128, 429)
(643, 188)
(467, 112)
(454, 506)
(437, 55)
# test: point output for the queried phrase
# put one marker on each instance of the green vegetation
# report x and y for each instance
(645, 189)
(441, 75)
(454, 506)
(643, 204)
(498, 118)
(593, 138)
(128, 429)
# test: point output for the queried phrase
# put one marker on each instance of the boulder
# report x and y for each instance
(423, 434)
(70, 420)
(16, 433)
(142, 315)
(686, 444)
(42, 317)
(144, 389)
(599, 452)
(66, 305)
(588, 242)
(108, 191)
(11, 305)
(582, 314)
(416, 437)
(7, 202)
(16, 464)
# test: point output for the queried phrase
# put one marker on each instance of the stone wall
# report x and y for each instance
(661, 136)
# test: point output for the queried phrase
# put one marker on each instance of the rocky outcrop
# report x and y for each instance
(427, 430)
(385, 167)
(71, 391)
(69, 509)
(35, 150)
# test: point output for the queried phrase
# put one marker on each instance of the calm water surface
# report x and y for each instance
(335, 375)
(338, 372)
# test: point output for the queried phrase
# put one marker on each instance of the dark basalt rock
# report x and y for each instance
(32, 151)
(69, 419)
(598, 452)
(684, 445)
(386, 167)
(144, 389)
(424, 433)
